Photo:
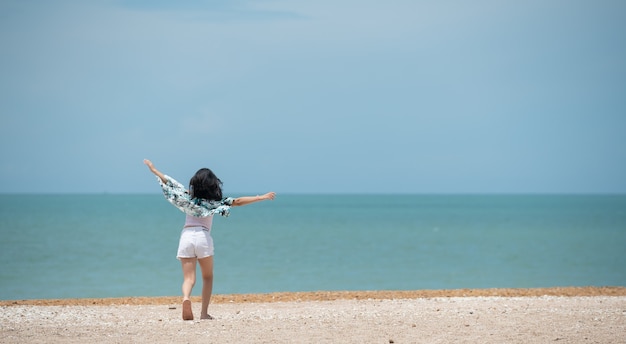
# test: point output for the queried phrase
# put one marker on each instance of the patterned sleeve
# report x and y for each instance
(176, 194)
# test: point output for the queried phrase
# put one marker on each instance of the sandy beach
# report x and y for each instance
(563, 315)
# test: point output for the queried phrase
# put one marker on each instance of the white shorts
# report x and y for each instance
(195, 242)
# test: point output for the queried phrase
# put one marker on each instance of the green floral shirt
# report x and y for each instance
(176, 194)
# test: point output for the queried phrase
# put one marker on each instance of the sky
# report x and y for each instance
(340, 96)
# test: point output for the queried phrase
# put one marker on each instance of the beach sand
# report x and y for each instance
(547, 315)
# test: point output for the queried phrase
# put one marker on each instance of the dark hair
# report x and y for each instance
(205, 184)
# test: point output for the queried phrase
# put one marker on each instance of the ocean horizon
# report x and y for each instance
(124, 245)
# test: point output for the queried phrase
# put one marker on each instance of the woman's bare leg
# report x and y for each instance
(189, 276)
(206, 266)
(189, 279)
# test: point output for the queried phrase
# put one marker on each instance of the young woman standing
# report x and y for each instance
(199, 203)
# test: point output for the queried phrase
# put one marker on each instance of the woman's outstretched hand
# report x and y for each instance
(269, 196)
(154, 170)
(239, 201)
(148, 163)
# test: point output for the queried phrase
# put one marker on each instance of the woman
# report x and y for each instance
(200, 203)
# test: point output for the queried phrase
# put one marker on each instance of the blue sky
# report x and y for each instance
(314, 96)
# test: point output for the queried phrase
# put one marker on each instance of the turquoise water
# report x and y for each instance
(67, 246)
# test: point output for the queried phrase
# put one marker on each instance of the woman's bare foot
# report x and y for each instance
(207, 317)
(187, 312)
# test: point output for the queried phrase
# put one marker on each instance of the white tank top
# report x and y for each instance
(205, 222)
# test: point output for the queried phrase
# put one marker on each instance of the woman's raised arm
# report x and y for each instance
(155, 171)
(245, 200)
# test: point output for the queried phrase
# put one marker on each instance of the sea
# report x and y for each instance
(108, 245)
